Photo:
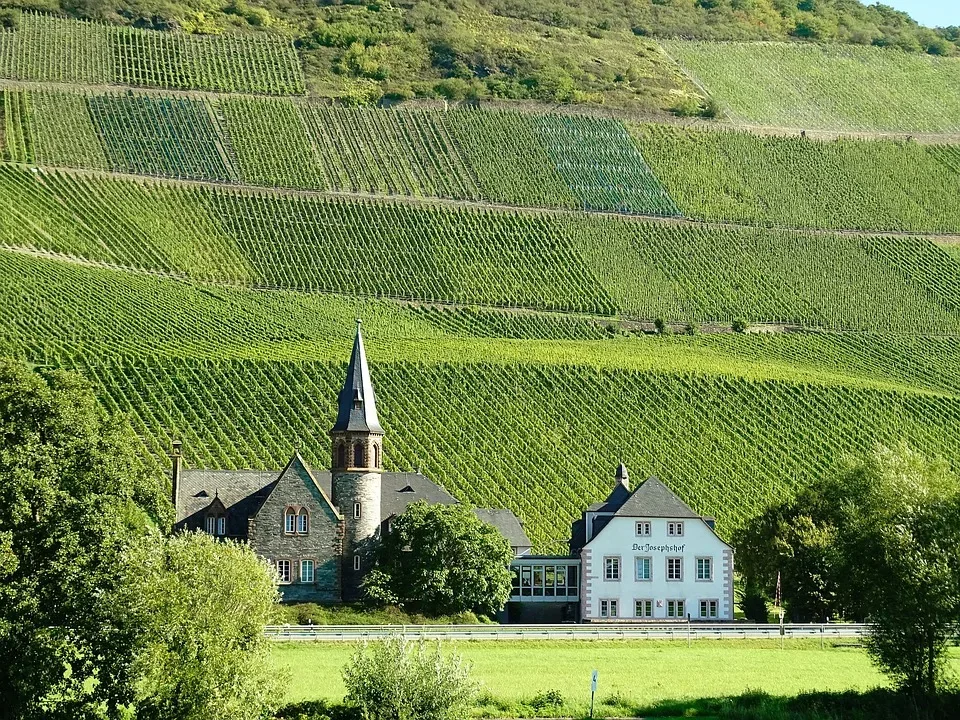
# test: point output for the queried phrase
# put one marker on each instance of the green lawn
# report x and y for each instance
(638, 674)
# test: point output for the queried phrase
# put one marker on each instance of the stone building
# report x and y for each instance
(316, 526)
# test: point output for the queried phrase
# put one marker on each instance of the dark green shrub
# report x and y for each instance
(548, 699)
(739, 325)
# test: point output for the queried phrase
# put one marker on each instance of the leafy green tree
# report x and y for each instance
(398, 679)
(897, 548)
(73, 491)
(202, 606)
(461, 563)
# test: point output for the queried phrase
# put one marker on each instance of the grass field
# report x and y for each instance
(806, 85)
(633, 675)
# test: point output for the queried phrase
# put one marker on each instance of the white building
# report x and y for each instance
(645, 555)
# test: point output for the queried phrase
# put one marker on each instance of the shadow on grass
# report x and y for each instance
(752, 705)
(878, 704)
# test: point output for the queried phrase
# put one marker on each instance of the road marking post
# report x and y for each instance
(593, 689)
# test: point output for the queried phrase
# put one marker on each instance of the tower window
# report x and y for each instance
(356, 511)
(303, 522)
(290, 521)
(341, 455)
(356, 562)
(358, 459)
(376, 456)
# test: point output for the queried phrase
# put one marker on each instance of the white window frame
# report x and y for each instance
(609, 608)
(356, 562)
(307, 577)
(636, 568)
(679, 607)
(648, 605)
(705, 561)
(612, 571)
(706, 606)
(289, 521)
(675, 528)
(289, 574)
(221, 525)
(357, 510)
(679, 560)
(211, 525)
(303, 522)
(643, 528)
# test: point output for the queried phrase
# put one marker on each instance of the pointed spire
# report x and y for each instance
(622, 476)
(357, 404)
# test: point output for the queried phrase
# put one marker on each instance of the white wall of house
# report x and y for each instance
(619, 540)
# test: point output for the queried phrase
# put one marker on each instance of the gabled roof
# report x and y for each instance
(654, 499)
(297, 470)
(507, 523)
(615, 500)
(398, 490)
(357, 404)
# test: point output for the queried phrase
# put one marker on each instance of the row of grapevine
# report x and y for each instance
(505, 258)
(489, 323)
(494, 156)
(794, 182)
(829, 86)
(16, 141)
(542, 440)
(51, 49)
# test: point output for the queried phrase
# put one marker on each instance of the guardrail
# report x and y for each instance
(644, 631)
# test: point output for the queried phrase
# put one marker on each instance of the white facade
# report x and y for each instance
(642, 568)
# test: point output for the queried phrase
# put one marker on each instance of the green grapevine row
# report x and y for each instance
(793, 182)
(50, 49)
(542, 440)
(443, 254)
(828, 86)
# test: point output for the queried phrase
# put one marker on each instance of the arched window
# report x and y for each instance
(376, 456)
(341, 455)
(290, 520)
(358, 459)
(303, 522)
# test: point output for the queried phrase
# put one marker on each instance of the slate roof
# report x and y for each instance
(357, 403)
(243, 492)
(654, 499)
(508, 524)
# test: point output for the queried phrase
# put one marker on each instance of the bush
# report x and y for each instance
(687, 107)
(397, 679)
(739, 325)
(692, 328)
(552, 699)
(662, 327)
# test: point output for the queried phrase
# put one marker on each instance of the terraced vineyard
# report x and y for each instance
(438, 253)
(794, 182)
(494, 156)
(49, 49)
(831, 87)
(243, 375)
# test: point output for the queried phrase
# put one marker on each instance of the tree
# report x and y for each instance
(202, 606)
(460, 563)
(74, 489)
(397, 679)
(898, 555)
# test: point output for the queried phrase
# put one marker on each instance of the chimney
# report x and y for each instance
(177, 458)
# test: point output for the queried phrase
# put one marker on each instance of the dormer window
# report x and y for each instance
(303, 522)
(216, 525)
(290, 521)
(221, 526)
(358, 455)
(211, 525)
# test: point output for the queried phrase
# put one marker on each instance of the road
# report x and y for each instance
(671, 631)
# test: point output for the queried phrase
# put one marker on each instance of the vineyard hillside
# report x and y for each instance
(545, 291)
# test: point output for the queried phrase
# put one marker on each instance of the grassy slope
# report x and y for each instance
(834, 87)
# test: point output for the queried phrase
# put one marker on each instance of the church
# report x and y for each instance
(316, 527)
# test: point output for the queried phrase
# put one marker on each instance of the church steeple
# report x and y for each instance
(357, 403)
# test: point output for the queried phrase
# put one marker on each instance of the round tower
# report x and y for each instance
(356, 467)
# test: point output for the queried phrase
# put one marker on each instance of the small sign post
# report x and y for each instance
(782, 631)
(593, 689)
